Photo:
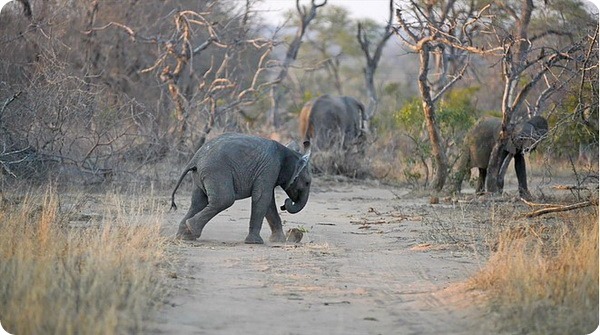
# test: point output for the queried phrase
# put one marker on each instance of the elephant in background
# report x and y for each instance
(238, 166)
(328, 120)
(480, 140)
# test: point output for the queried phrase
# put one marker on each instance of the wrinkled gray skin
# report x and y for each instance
(327, 119)
(480, 141)
(237, 166)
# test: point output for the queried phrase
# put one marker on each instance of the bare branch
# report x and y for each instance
(452, 82)
(9, 101)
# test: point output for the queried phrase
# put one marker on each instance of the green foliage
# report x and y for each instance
(308, 96)
(570, 128)
(412, 177)
(410, 117)
(494, 113)
(393, 95)
(455, 113)
(303, 229)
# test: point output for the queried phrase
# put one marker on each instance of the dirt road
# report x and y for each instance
(363, 267)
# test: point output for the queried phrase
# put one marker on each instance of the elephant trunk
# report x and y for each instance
(295, 206)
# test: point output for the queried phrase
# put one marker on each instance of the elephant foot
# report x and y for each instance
(187, 233)
(184, 233)
(185, 237)
(253, 239)
(524, 194)
(277, 237)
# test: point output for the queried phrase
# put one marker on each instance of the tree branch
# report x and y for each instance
(557, 208)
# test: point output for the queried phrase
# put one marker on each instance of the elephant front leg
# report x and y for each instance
(506, 158)
(260, 204)
(274, 220)
(521, 170)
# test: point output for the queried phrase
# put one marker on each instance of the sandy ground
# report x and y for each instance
(365, 266)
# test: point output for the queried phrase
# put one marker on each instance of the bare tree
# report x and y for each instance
(444, 32)
(306, 15)
(373, 59)
(527, 63)
(207, 93)
(327, 48)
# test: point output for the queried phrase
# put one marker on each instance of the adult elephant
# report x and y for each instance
(480, 140)
(329, 120)
(238, 166)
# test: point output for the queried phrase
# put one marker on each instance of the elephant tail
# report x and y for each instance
(183, 174)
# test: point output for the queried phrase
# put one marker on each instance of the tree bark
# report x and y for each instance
(513, 66)
(373, 60)
(439, 156)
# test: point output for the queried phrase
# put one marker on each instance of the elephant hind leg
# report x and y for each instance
(199, 201)
(481, 181)
(219, 198)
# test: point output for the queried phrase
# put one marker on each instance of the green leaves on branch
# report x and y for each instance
(455, 113)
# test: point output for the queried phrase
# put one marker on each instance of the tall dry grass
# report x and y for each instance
(100, 277)
(333, 157)
(544, 279)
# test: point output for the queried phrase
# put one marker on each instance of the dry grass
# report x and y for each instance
(100, 277)
(335, 159)
(543, 279)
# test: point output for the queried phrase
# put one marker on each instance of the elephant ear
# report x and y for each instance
(363, 111)
(301, 164)
(293, 145)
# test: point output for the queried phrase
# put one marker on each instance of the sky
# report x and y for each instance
(273, 10)
(377, 10)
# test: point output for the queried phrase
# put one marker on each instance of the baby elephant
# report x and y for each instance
(480, 140)
(238, 166)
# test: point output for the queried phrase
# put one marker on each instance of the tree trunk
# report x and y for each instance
(491, 180)
(513, 67)
(439, 156)
(278, 90)
(371, 92)
(373, 60)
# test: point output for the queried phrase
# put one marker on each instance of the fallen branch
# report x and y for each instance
(533, 204)
(569, 188)
(367, 222)
(556, 208)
